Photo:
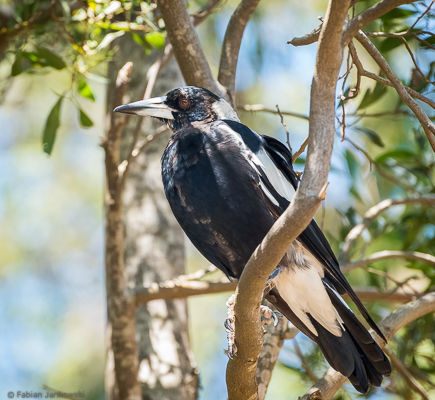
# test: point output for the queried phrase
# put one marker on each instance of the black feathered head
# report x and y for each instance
(182, 107)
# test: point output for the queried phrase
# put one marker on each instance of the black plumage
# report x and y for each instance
(226, 186)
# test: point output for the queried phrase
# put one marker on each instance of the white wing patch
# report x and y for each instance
(264, 165)
(268, 194)
(302, 289)
(274, 175)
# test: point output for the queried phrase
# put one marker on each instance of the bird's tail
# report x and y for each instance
(355, 353)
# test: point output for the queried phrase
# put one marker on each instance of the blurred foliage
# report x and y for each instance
(75, 36)
(384, 154)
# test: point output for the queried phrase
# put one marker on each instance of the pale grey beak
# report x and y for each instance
(154, 107)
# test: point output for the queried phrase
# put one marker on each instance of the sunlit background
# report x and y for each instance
(53, 312)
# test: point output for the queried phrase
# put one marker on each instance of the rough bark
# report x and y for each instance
(187, 49)
(154, 252)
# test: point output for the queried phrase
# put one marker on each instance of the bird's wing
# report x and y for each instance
(312, 237)
(216, 194)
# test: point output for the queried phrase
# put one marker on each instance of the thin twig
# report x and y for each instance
(387, 276)
(202, 14)
(411, 54)
(389, 254)
(371, 214)
(300, 151)
(366, 17)
(401, 368)
(304, 362)
(427, 125)
(363, 72)
(287, 133)
(262, 108)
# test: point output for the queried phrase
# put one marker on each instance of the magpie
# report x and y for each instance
(226, 186)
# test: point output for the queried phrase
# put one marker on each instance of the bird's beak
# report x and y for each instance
(155, 107)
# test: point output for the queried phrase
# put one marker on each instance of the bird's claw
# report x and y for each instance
(231, 352)
(268, 316)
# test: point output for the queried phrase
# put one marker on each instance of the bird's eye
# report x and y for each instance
(184, 103)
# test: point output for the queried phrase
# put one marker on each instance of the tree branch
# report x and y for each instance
(202, 14)
(241, 369)
(388, 254)
(366, 17)
(402, 370)
(361, 20)
(363, 72)
(370, 215)
(186, 45)
(333, 380)
(309, 38)
(427, 125)
(120, 308)
(174, 289)
(231, 45)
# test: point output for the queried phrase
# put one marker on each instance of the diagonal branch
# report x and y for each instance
(333, 380)
(363, 72)
(240, 375)
(186, 46)
(402, 370)
(231, 45)
(427, 125)
(388, 254)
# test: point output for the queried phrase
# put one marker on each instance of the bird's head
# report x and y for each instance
(182, 107)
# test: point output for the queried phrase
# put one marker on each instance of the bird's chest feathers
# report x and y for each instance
(183, 152)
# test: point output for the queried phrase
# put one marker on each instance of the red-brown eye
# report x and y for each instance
(184, 103)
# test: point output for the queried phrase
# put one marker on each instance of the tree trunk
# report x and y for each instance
(154, 249)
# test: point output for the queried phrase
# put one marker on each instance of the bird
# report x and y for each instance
(226, 186)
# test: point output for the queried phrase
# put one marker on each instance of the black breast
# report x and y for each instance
(215, 196)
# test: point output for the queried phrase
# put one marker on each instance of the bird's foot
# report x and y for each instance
(268, 316)
(229, 324)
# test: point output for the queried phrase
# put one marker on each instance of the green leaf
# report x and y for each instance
(397, 154)
(389, 44)
(51, 125)
(17, 66)
(51, 59)
(428, 42)
(372, 135)
(352, 163)
(372, 96)
(85, 121)
(84, 90)
(138, 39)
(398, 13)
(155, 39)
